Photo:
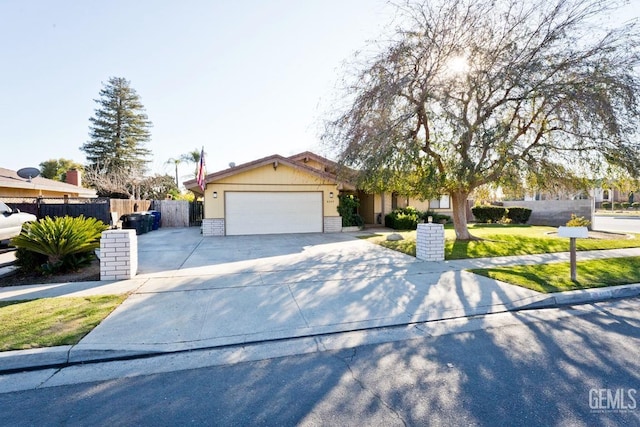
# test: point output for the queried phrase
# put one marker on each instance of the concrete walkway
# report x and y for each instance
(193, 293)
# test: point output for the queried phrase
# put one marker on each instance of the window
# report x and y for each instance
(441, 203)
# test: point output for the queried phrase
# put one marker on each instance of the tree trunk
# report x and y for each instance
(459, 205)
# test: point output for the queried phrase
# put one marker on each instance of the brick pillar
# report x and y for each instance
(430, 242)
(212, 227)
(332, 224)
(118, 254)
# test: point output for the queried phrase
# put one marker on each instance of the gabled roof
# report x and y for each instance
(10, 179)
(295, 162)
(343, 173)
(305, 156)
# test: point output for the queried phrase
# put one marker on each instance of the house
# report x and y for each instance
(296, 194)
(14, 187)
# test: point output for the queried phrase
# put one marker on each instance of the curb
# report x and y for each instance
(61, 357)
(35, 358)
(582, 296)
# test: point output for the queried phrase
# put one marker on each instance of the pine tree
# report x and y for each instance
(119, 130)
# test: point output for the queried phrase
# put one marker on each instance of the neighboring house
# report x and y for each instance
(12, 186)
(598, 195)
(613, 195)
(296, 194)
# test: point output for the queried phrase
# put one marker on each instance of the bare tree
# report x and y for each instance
(472, 92)
(116, 182)
(157, 187)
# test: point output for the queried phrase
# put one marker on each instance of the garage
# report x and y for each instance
(273, 212)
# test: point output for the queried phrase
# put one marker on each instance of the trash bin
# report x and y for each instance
(156, 219)
(147, 221)
(134, 221)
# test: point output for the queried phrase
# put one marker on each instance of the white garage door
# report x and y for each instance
(273, 212)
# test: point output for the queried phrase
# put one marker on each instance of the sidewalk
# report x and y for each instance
(202, 293)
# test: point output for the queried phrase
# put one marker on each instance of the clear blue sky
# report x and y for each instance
(244, 79)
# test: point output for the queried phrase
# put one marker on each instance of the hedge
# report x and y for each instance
(436, 217)
(486, 213)
(518, 215)
(402, 219)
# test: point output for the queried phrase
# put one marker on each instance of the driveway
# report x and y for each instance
(194, 292)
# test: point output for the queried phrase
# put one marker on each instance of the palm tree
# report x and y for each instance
(175, 162)
(192, 157)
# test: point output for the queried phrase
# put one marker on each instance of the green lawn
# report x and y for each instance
(557, 277)
(52, 321)
(504, 240)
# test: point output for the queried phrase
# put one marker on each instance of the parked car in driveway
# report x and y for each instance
(11, 221)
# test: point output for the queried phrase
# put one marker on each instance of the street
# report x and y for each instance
(571, 366)
(621, 223)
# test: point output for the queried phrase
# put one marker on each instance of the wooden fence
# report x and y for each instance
(173, 213)
(126, 206)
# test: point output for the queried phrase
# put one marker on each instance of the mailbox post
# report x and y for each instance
(573, 233)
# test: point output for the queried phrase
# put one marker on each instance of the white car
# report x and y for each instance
(11, 221)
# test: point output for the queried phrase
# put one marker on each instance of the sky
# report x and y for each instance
(243, 79)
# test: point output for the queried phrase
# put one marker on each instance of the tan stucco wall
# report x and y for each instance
(367, 208)
(382, 203)
(421, 205)
(23, 192)
(268, 178)
(377, 205)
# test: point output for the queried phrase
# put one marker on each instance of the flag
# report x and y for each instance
(201, 171)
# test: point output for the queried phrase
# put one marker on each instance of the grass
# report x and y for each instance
(52, 321)
(557, 277)
(504, 240)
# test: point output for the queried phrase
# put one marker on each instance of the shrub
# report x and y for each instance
(617, 205)
(578, 221)
(606, 205)
(67, 243)
(402, 219)
(28, 260)
(486, 213)
(518, 215)
(348, 208)
(635, 205)
(436, 217)
(625, 205)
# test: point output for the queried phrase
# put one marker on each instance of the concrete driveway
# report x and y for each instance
(194, 292)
